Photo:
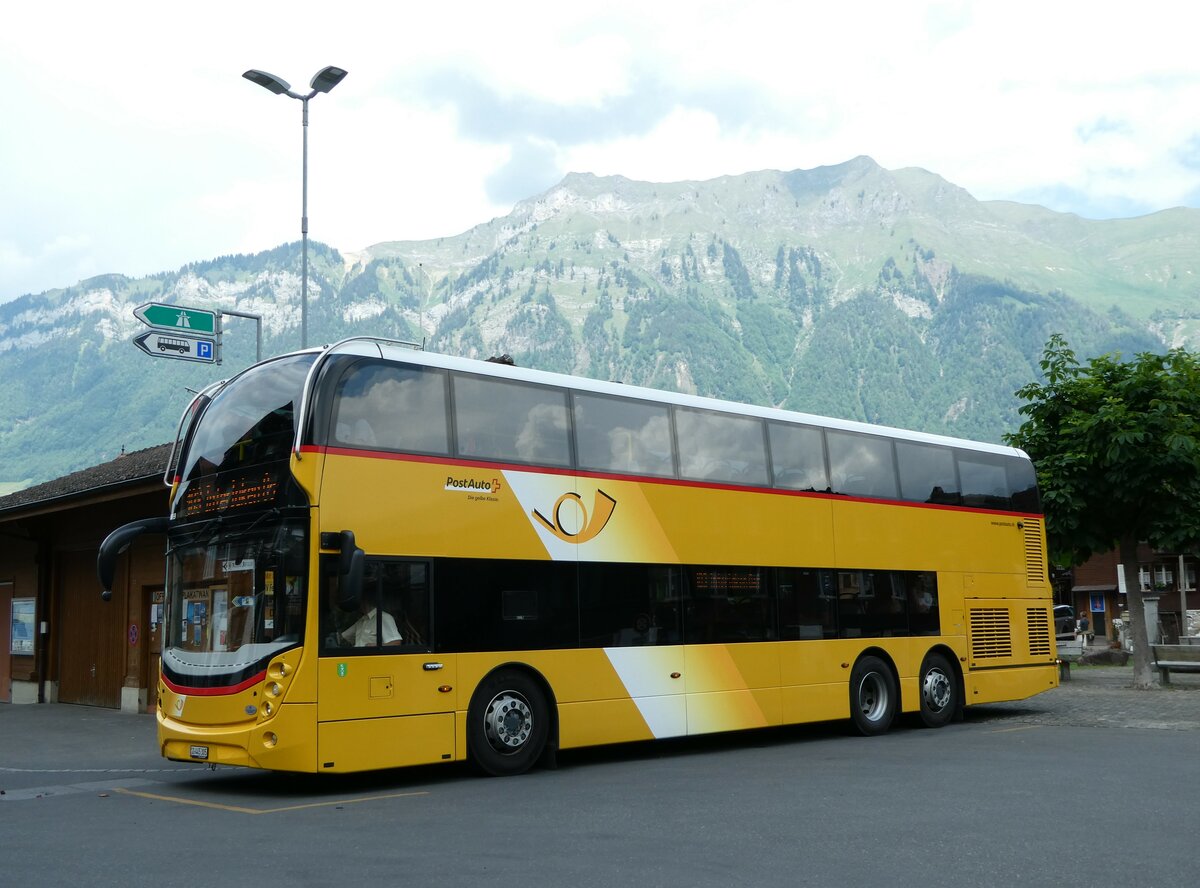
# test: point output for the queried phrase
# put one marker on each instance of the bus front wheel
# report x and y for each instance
(507, 723)
(939, 691)
(873, 696)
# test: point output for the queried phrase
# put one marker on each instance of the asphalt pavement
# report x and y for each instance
(983, 803)
(84, 742)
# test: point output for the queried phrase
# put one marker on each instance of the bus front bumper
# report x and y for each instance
(284, 742)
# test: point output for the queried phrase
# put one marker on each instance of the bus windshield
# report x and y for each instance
(237, 456)
(251, 420)
(233, 601)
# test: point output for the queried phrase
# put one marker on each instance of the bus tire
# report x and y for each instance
(508, 722)
(939, 691)
(873, 696)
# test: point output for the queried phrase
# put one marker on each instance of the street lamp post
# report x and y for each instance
(323, 81)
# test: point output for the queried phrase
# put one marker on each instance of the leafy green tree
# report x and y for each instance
(1117, 450)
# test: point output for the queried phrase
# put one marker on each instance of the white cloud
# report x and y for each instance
(132, 143)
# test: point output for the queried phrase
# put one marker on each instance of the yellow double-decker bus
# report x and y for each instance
(381, 557)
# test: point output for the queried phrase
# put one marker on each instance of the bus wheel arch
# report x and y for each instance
(512, 721)
(874, 693)
(940, 688)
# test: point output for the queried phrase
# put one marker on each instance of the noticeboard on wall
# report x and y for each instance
(23, 625)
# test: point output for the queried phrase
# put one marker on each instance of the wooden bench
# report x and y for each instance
(1069, 651)
(1170, 658)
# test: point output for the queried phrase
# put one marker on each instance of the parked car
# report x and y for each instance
(1064, 621)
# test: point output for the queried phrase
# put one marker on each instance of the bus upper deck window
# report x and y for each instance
(392, 407)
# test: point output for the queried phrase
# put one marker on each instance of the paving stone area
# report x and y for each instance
(1103, 697)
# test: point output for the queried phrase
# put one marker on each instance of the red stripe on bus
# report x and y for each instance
(214, 692)
(645, 479)
(432, 460)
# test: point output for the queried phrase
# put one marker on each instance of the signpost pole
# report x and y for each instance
(257, 318)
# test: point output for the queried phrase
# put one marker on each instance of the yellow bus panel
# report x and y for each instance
(999, 685)
(815, 702)
(373, 743)
(710, 713)
(602, 721)
(386, 685)
(730, 667)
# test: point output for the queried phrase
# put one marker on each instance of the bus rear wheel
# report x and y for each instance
(939, 691)
(507, 723)
(873, 696)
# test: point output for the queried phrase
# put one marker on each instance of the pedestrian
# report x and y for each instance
(1083, 627)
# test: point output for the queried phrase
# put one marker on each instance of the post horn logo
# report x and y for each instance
(590, 525)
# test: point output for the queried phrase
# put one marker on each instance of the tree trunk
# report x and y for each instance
(1143, 674)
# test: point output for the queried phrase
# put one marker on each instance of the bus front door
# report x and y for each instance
(384, 701)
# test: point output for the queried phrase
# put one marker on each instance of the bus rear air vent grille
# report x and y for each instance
(1038, 624)
(991, 633)
(1035, 560)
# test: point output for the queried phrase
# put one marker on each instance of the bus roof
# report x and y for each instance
(412, 353)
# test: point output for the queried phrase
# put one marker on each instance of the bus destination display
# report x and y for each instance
(210, 495)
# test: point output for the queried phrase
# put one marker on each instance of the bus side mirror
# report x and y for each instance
(116, 543)
(350, 572)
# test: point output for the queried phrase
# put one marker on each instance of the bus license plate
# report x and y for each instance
(199, 752)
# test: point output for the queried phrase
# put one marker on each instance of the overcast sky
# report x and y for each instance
(130, 143)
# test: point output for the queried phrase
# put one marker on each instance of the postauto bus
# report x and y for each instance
(380, 557)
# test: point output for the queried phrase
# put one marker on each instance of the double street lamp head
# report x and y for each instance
(323, 81)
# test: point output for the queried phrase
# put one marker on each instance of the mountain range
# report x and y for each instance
(889, 296)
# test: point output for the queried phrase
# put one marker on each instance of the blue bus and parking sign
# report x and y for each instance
(183, 334)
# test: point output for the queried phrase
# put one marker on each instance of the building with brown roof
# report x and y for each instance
(62, 642)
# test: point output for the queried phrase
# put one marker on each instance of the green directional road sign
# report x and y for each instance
(177, 317)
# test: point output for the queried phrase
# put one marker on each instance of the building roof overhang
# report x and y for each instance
(129, 474)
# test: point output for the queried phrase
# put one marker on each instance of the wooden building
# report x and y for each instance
(62, 642)
(1095, 589)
